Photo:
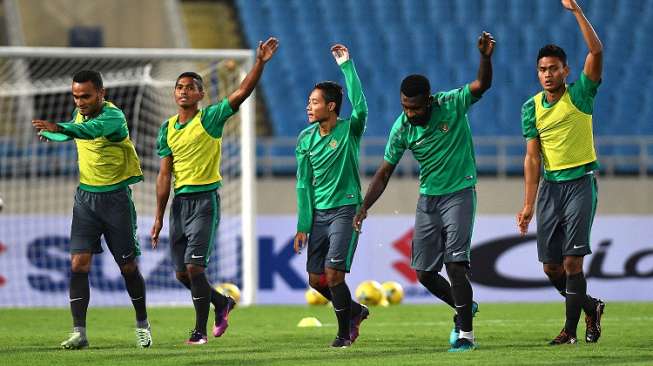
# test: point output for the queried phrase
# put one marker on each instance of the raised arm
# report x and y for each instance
(354, 88)
(162, 194)
(532, 166)
(594, 60)
(484, 77)
(374, 191)
(264, 53)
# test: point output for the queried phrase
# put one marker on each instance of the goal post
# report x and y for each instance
(37, 180)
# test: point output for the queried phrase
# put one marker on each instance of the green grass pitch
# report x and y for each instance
(508, 334)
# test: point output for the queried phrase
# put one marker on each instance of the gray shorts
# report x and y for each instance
(443, 229)
(194, 220)
(565, 212)
(111, 214)
(332, 241)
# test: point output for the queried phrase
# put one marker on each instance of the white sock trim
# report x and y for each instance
(469, 335)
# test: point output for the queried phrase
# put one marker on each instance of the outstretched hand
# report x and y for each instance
(266, 49)
(486, 44)
(340, 53)
(571, 5)
(42, 125)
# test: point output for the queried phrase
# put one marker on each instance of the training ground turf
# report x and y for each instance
(507, 334)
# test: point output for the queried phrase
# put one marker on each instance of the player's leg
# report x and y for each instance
(437, 285)
(581, 198)
(550, 240)
(85, 235)
(428, 249)
(220, 302)
(343, 240)
(457, 211)
(119, 220)
(318, 281)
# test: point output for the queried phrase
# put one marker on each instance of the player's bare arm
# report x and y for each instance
(532, 166)
(264, 53)
(484, 77)
(374, 191)
(594, 60)
(162, 195)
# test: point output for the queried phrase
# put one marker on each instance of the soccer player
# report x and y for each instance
(108, 165)
(557, 125)
(189, 145)
(329, 191)
(436, 129)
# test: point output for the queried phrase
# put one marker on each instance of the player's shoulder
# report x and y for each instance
(111, 111)
(308, 131)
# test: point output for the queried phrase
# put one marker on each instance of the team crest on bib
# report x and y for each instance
(333, 144)
(444, 127)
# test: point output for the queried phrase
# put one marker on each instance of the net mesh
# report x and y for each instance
(38, 179)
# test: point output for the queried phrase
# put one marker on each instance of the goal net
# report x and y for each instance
(38, 179)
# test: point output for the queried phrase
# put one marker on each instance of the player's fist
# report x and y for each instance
(570, 5)
(486, 44)
(340, 53)
(266, 49)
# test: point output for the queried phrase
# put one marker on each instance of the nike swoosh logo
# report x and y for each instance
(571, 293)
(419, 142)
(336, 260)
(76, 299)
(197, 298)
(196, 256)
(579, 246)
(457, 253)
(127, 256)
(461, 306)
(138, 298)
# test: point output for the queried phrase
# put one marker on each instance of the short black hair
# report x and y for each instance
(193, 75)
(551, 50)
(93, 76)
(332, 92)
(415, 85)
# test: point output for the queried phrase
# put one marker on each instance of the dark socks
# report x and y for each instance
(589, 305)
(575, 296)
(136, 289)
(79, 297)
(438, 286)
(463, 295)
(201, 293)
(341, 299)
(218, 300)
(326, 292)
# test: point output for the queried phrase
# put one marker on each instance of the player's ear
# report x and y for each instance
(101, 93)
(331, 106)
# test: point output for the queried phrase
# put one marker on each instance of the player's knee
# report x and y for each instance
(80, 263)
(554, 271)
(194, 270)
(314, 282)
(334, 277)
(129, 268)
(573, 265)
